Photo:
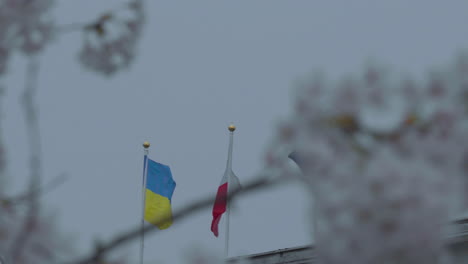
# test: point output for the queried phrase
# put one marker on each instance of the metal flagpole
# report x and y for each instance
(231, 129)
(146, 145)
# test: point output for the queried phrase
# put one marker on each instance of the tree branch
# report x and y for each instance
(261, 182)
(97, 24)
(52, 184)
(33, 134)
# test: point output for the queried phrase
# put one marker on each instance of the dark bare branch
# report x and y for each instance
(34, 140)
(51, 185)
(135, 232)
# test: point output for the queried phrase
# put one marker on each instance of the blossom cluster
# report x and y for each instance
(385, 159)
(110, 43)
(25, 25)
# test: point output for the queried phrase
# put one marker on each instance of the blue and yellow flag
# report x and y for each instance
(159, 189)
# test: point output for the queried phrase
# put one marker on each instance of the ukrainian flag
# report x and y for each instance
(159, 189)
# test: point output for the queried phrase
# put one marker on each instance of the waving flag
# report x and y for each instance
(159, 189)
(229, 183)
(220, 204)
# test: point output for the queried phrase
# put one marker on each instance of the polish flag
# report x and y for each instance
(229, 183)
(229, 180)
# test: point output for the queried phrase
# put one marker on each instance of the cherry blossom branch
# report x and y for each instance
(35, 164)
(71, 27)
(97, 24)
(52, 184)
(2, 149)
(261, 182)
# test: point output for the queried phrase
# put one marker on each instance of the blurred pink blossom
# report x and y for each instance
(25, 25)
(110, 44)
(384, 158)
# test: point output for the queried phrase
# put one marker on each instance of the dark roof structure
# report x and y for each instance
(457, 244)
(294, 255)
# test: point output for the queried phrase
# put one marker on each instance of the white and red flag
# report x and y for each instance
(229, 183)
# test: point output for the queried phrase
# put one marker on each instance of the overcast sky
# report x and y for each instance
(202, 64)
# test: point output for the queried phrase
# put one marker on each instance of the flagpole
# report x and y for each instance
(231, 129)
(146, 145)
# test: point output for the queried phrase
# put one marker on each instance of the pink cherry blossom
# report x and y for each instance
(385, 159)
(110, 44)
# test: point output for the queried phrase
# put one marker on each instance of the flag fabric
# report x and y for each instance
(158, 194)
(220, 204)
(229, 183)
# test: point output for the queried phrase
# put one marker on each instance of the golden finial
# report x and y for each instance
(232, 127)
(146, 144)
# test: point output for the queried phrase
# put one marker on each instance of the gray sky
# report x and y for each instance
(202, 64)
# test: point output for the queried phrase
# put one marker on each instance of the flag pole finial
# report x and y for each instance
(146, 144)
(232, 127)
